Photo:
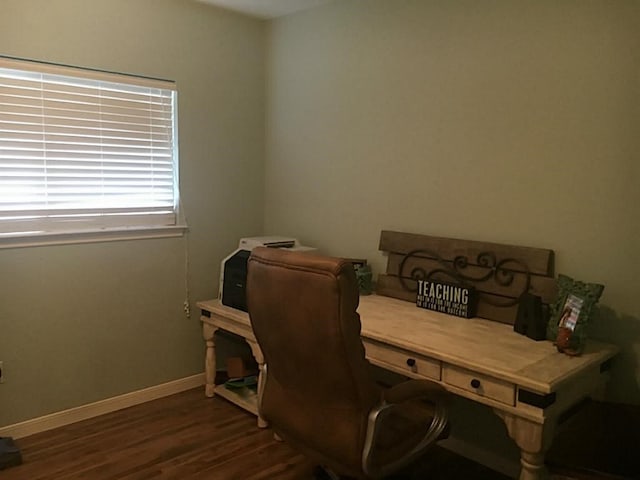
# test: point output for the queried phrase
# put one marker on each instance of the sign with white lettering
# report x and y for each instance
(447, 298)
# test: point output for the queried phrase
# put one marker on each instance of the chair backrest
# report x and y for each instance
(318, 389)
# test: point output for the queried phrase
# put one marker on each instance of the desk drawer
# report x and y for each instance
(401, 361)
(478, 384)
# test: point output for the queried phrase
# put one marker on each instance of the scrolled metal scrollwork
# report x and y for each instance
(419, 273)
(501, 271)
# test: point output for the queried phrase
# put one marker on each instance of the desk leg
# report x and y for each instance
(208, 332)
(533, 439)
(257, 354)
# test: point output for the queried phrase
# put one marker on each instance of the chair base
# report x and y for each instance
(323, 473)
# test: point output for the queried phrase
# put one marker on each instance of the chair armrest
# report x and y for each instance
(393, 398)
(414, 389)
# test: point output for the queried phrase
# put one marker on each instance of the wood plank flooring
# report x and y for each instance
(187, 436)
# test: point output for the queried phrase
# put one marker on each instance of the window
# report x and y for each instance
(84, 152)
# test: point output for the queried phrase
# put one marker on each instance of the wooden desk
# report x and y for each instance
(528, 384)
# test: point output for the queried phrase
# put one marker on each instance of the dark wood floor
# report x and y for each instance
(187, 436)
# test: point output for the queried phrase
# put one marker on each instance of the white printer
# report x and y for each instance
(233, 269)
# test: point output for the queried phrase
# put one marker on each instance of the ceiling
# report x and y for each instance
(267, 9)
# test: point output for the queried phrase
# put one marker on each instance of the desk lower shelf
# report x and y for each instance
(245, 398)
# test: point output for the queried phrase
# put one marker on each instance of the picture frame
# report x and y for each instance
(571, 313)
(364, 275)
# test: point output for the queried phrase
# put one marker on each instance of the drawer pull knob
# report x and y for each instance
(475, 383)
(411, 362)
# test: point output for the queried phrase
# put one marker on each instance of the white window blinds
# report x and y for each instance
(85, 150)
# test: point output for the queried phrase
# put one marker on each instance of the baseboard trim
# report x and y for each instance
(90, 410)
(484, 457)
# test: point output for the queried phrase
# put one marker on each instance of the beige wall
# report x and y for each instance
(81, 323)
(511, 122)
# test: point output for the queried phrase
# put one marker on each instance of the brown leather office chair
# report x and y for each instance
(317, 391)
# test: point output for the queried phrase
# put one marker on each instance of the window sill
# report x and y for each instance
(40, 239)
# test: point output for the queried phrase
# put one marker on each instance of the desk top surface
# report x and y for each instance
(477, 344)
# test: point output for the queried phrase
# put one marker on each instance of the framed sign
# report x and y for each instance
(571, 313)
(447, 298)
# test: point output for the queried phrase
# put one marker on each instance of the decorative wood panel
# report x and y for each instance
(500, 273)
(539, 260)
